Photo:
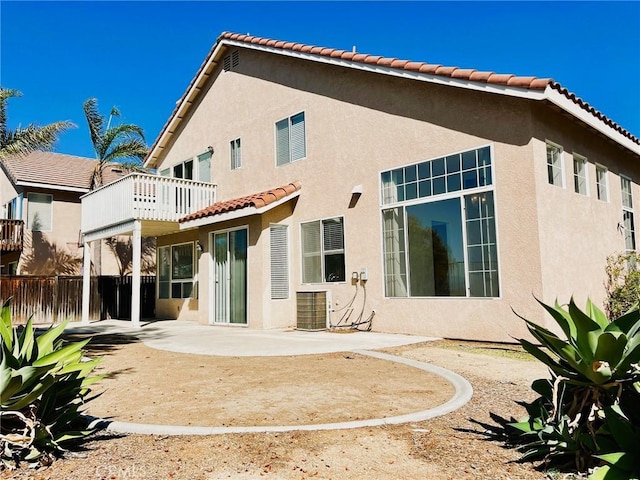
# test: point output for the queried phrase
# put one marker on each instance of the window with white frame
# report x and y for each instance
(39, 212)
(176, 271)
(554, 164)
(291, 142)
(627, 214)
(279, 237)
(323, 257)
(198, 167)
(236, 154)
(12, 210)
(580, 179)
(441, 243)
(204, 167)
(602, 183)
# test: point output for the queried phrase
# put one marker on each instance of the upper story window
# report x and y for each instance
(602, 183)
(461, 171)
(554, 164)
(39, 212)
(291, 142)
(204, 167)
(12, 210)
(627, 214)
(235, 153)
(323, 251)
(198, 167)
(443, 244)
(580, 179)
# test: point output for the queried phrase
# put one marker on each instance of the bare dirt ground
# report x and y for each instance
(151, 386)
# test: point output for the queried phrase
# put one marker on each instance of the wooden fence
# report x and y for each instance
(53, 298)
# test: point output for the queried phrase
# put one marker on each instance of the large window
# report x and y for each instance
(462, 171)
(291, 143)
(602, 185)
(627, 214)
(444, 245)
(323, 251)
(40, 212)
(554, 164)
(176, 271)
(580, 182)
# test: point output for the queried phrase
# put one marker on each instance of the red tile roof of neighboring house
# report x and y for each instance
(257, 200)
(489, 78)
(56, 169)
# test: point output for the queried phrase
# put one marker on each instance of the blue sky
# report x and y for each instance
(140, 56)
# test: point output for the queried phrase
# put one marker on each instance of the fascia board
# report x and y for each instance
(574, 109)
(48, 186)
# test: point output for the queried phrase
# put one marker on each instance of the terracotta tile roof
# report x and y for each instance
(489, 78)
(55, 169)
(257, 200)
(531, 83)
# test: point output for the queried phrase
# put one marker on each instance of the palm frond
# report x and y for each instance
(96, 124)
(129, 149)
(5, 94)
(33, 137)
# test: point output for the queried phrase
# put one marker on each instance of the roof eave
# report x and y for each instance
(183, 106)
(560, 100)
(49, 186)
(547, 93)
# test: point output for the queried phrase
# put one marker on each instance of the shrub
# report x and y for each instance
(43, 384)
(587, 412)
(622, 284)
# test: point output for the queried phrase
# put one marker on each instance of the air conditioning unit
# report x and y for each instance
(313, 310)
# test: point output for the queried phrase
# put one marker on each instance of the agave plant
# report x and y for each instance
(587, 411)
(43, 384)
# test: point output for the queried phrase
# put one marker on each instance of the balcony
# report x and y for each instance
(11, 235)
(157, 202)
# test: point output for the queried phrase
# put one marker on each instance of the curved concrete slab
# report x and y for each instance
(463, 393)
(190, 337)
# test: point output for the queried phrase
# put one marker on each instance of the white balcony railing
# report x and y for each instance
(140, 196)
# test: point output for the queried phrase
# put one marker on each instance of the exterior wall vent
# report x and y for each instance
(231, 62)
(313, 310)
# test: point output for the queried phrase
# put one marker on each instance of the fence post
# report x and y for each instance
(55, 308)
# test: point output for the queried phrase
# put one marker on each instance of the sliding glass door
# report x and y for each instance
(230, 277)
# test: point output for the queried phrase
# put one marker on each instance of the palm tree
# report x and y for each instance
(22, 141)
(123, 143)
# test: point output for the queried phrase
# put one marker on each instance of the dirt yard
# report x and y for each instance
(151, 386)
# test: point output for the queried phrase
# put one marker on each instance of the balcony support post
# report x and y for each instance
(86, 282)
(135, 280)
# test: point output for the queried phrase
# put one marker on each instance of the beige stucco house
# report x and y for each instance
(41, 210)
(307, 186)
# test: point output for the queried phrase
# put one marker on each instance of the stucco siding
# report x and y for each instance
(552, 242)
(578, 232)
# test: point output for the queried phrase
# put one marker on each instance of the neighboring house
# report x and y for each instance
(430, 199)
(40, 199)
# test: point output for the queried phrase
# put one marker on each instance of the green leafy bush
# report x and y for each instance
(622, 284)
(43, 384)
(587, 413)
